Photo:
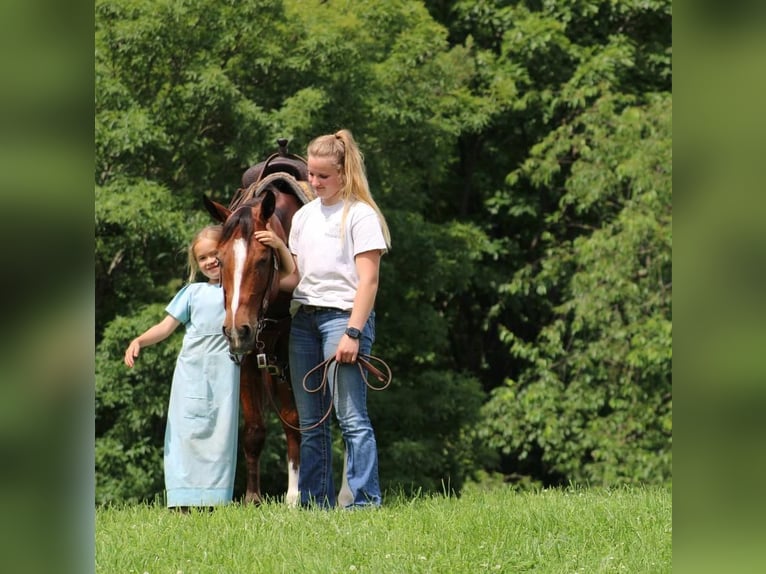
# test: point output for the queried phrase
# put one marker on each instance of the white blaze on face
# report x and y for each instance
(240, 252)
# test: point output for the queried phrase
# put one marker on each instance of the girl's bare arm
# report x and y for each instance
(152, 335)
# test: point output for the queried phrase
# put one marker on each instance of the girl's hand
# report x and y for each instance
(286, 262)
(269, 238)
(152, 335)
(132, 352)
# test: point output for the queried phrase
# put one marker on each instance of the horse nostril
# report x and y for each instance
(244, 331)
(226, 332)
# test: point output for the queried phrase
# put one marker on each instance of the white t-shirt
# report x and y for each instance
(328, 276)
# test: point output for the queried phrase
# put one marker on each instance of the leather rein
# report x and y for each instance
(363, 362)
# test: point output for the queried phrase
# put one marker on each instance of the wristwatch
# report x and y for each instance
(353, 333)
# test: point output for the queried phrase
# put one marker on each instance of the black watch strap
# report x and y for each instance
(353, 333)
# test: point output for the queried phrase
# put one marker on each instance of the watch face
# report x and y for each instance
(353, 333)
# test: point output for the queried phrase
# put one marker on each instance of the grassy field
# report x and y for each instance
(556, 531)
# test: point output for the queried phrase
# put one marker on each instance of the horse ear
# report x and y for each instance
(268, 204)
(215, 209)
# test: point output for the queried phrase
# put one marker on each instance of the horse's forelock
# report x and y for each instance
(241, 220)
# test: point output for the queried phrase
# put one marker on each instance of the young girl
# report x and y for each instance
(337, 241)
(201, 434)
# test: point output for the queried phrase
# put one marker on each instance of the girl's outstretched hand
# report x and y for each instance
(132, 352)
(152, 335)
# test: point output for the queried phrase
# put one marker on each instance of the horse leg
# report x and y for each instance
(288, 413)
(254, 432)
(345, 496)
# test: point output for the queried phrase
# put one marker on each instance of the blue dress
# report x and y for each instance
(203, 415)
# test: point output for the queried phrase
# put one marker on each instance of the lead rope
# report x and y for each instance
(363, 361)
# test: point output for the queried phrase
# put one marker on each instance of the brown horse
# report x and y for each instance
(257, 322)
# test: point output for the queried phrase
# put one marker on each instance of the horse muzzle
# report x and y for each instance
(241, 339)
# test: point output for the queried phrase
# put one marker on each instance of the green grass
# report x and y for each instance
(557, 531)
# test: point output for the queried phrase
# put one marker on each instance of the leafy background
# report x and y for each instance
(521, 152)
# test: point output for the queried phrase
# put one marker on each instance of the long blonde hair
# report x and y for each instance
(341, 148)
(209, 232)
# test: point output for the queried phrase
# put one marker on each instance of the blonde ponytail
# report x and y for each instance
(341, 148)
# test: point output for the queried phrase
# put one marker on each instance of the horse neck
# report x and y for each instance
(286, 206)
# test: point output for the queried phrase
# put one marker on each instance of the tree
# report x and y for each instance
(594, 401)
(588, 91)
(189, 95)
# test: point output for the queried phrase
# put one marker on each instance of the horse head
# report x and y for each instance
(249, 269)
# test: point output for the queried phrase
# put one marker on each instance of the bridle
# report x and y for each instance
(270, 293)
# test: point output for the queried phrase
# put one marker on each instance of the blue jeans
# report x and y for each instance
(314, 336)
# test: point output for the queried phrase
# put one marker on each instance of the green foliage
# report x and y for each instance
(582, 219)
(173, 87)
(429, 265)
(131, 406)
(428, 448)
(139, 251)
(521, 154)
(595, 397)
(422, 422)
